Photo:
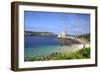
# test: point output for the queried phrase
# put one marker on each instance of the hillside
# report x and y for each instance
(38, 33)
(84, 36)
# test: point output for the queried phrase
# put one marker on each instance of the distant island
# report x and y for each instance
(38, 33)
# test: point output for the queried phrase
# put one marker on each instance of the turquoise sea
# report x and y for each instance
(45, 45)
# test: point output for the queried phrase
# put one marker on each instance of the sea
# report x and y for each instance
(46, 45)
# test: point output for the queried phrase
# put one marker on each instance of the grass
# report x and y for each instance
(83, 53)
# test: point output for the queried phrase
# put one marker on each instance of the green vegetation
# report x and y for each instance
(38, 33)
(85, 36)
(83, 53)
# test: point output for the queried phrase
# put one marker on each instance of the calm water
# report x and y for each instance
(44, 45)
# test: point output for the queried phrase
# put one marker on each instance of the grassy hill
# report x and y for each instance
(38, 33)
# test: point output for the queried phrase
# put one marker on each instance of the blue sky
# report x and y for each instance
(56, 22)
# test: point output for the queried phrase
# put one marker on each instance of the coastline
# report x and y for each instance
(65, 52)
(74, 47)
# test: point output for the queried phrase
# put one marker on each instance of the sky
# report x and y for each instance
(57, 22)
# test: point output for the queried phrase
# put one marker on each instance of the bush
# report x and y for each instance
(83, 53)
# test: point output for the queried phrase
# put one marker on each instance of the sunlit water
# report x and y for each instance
(45, 45)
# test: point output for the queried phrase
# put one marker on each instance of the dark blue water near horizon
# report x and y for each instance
(34, 41)
(40, 45)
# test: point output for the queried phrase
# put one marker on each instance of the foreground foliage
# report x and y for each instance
(83, 53)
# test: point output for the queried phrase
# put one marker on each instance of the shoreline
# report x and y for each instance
(62, 51)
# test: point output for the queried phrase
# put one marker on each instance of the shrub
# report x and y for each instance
(83, 53)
